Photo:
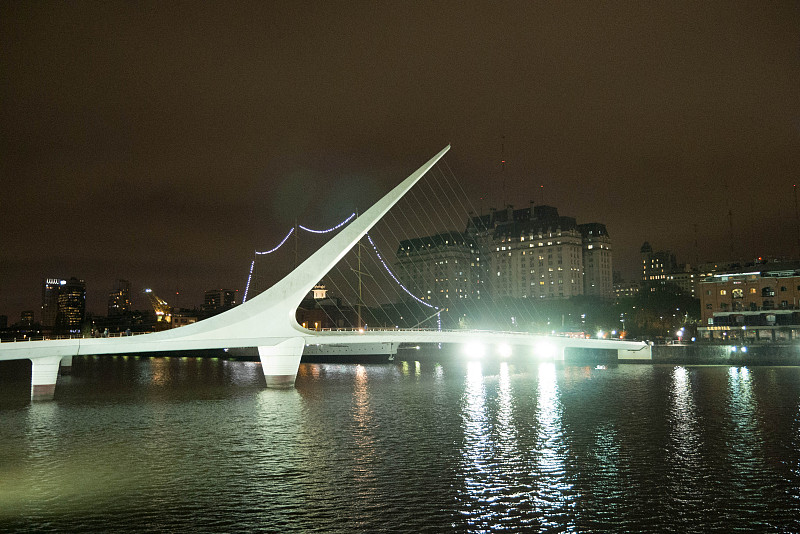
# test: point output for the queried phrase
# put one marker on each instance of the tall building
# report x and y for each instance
(119, 299)
(71, 306)
(50, 290)
(656, 265)
(440, 269)
(598, 276)
(217, 300)
(26, 319)
(536, 253)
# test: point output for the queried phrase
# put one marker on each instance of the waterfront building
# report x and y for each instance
(536, 253)
(440, 269)
(119, 299)
(750, 305)
(71, 306)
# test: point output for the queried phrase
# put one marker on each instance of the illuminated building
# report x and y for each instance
(759, 305)
(441, 268)
(656, 265)
(597, 274)
(71, 306)
(50, 290)
(527, 253)
(26, 319)
(217, 300)
(536, 253)
(119, 299)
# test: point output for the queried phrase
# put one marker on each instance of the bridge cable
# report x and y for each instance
(520, 312)
(397, 224)
(283, 241)
(382, 263)
(494, 298)
(504, 301)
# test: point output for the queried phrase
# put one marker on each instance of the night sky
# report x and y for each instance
(163, 142)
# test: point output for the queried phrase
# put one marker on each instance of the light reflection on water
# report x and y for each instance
(164, 444)
(686, 473)
(553, 495)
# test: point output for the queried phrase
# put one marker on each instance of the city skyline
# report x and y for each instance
(164, 145)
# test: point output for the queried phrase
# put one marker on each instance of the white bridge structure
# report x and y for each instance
(268, 322)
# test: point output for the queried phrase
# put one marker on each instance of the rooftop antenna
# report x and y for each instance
(796, 219)
(730, 232)
(503, 166)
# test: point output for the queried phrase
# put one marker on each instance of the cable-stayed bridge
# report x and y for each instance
(267, 321)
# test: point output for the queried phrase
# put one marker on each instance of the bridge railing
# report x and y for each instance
(454, 330)
(70, 336)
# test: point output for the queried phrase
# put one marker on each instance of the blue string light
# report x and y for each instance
(249, 276)
(404, 288)
(279, 244)
(347, 220)
(371, 242)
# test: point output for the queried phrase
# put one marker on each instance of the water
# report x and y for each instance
(198, 445)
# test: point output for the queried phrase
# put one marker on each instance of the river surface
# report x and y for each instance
(199, 445)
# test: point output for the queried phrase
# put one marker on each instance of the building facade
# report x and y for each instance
(536, 253)
(597, 268)
(656, 265)
(750, 306)
(526, 253)
(218, 300)
(50, 290)
(440, 269)
(119, 299)
(71, 306)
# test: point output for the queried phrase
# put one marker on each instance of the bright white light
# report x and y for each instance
(474, 349)
(544, 350)
(504, 350)
(744, 349)
(600, 334)
(148, 290)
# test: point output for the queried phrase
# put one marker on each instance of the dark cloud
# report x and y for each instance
(143, 139)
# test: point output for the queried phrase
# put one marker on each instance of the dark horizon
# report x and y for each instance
(164, 144)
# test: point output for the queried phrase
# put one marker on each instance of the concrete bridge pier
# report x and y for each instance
(44, 375)
(66, 365)
(644, 353)
(280, 362)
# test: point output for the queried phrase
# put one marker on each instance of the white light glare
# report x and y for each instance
(474, 349)
(544, 350)
(504, 350)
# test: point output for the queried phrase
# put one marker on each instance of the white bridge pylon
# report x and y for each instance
(268, 320)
